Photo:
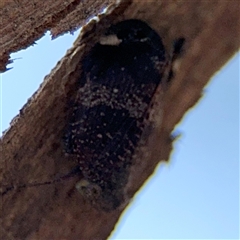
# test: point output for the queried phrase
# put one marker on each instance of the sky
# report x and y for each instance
(195, 195)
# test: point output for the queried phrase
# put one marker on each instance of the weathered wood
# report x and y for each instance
(22, 22)
(32, 151)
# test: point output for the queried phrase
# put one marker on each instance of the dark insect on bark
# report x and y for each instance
(120, 76)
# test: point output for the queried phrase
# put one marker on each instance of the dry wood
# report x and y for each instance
(32, 151)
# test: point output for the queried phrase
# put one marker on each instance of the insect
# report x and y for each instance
(119, 78)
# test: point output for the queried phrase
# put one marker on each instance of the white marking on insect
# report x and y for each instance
(110, 40)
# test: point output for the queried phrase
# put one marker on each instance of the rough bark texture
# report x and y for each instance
(32, 151)
(23, 22)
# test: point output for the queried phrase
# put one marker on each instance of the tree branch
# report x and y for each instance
(32, 149)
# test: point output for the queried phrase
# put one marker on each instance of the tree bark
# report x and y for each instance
(32, 149)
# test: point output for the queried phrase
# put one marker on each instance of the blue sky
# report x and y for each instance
(196, 195)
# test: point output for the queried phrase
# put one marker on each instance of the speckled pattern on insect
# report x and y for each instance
(119, 78)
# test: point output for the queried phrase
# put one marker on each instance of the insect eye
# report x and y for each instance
(140, 34)
(122, 34)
